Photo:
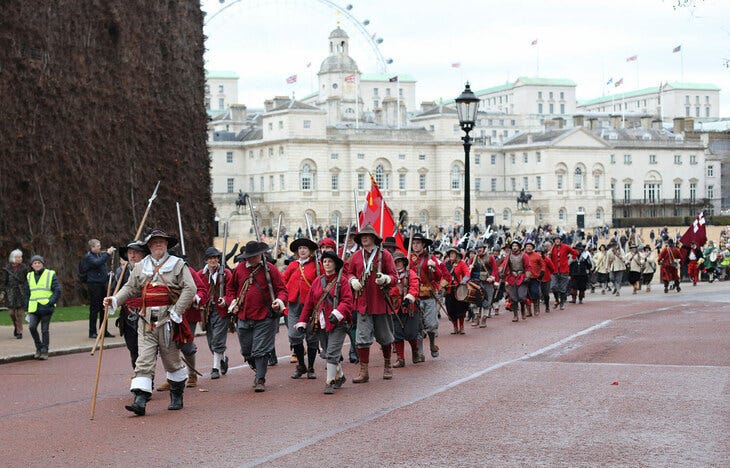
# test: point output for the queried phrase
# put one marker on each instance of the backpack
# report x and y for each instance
(83, 270)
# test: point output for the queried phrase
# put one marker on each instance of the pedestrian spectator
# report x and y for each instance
(14, 288)
(44, 290)
(96, 280)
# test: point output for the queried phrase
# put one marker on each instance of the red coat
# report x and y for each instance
(427, 277)
(666, 258)
(213, 289)
(371, 299)
(344, 306)
(559, 256)
(535, 264)
(514, 278)
(486, 264)
(257, 301)
(194, 314)
(549, 270)
(299, 280)
(455, 277)
(398, 291)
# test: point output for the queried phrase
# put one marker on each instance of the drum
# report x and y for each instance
(713, 256)
(468, 292)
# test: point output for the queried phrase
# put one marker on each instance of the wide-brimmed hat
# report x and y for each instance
(367, 231)
(418, 236)
(333, 256)
(390, 242)
(328, 242)
(303, 241)
(343, 232)
(211, 252)
(399, 256)
(171, 240)
(134, 245)
(454, 249)
(251, 249)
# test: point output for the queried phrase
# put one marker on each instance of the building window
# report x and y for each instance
(613, 191)
(477, 159)
(627, 192)
(401, 181)
(375, 91)
(281, 182)
(271, 183)
(710, 171)
(281, 150)
(539, 108)
(229, 156)
(307, 123)
(505, 215)
(559, 181)
(229, 185)
(578, 178)
(677, 159)
(281, 124)
(693, 191)
(421, 181)
(513, 183)
(613, 159)
(431, 128)
(525, 183)
(221, 88)
(493, 185)
(692, 159)
(361, 181)
(525, 158)
(402, 157)
(596, 182)
(375, 103)
(334, 156)
(599, 214)
(697, 111)
(221, 104)
(627, 159)
(710, 191)
(207, 89)
(360, 156)
(562, 94)
(652, 159)
(380, 176)
(561, 215)
(478, 184)
(538, 155)
(538, 182)
(651, 192)
(455, 177)
(493, 159)
(335, 182)
(307, 179)
(512, 158)
(271, 125)
(539, 94)
(552, 108)
(677, 191)
(686, 111)
(271, 151)
(562, 108)
(261, 183)
(251, 186)
(421, 157)
(387, 92)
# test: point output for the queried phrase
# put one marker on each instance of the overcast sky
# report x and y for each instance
(265, 41)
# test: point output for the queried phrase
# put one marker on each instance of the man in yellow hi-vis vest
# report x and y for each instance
(44, 291)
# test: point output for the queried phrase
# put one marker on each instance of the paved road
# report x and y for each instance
(635, 380)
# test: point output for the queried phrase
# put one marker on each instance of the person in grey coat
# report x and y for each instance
(14, 288)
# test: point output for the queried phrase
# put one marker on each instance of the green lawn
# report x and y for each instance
(62, 314)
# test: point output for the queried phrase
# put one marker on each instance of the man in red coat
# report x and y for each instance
(430, 277)
(560, 255)
(670, 259)
(249, 296)
(373, 272)
(299, 277)
(534, 272)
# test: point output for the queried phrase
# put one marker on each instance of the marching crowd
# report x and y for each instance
(351, 285)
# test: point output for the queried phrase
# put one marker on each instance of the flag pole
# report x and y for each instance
(357, 99)
(681, 62)
(397, 98)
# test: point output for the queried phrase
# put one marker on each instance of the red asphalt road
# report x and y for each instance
(538, 392)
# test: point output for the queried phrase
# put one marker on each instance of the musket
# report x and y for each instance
(179, 227)
(222, 266)
(278, 236)
(336, 299)
(311, 237)
(263, 257)
(337, 234)
(380, 248)
(101, 348)
(357, 215)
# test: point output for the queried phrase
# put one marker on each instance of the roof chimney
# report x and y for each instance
(678, 125)
(268, 105)
(578, 120)
(615, 120)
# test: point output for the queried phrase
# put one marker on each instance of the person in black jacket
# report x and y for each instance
(96, 279)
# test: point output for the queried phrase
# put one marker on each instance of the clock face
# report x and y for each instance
(334, 85)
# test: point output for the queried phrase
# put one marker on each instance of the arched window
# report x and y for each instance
(562, 214)
(307, 178)
(455, 177)
(578, 178)
(380, 177)
(458, 218)
(505, 214)
(599, 213)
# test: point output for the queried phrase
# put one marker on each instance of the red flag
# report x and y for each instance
(618, 83)
(456, 65)
(401, 243)
(632, 58)
(350, 79)
(696, 232)
(393, 79)
(677, 49)
(292, 79)
(371, 211)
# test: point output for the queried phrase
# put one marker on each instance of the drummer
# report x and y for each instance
(458, 275)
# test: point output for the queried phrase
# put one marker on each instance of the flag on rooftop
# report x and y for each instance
(393, 79)
(633, 58)
(534, 42)
(619, 82)
(610, 80)
(292, 79)
(677, 49)
(456, 65)
(350, 79)
(309, 64)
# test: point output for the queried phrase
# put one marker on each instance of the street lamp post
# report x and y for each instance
(467, 105)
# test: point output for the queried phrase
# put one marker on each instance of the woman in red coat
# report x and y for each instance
(299, 277)
(458, 274)
(328, 306)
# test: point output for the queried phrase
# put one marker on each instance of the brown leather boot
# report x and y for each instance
(483, 321)
(363, 376)
(387, 370)
(165, 387)
(192, 380)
